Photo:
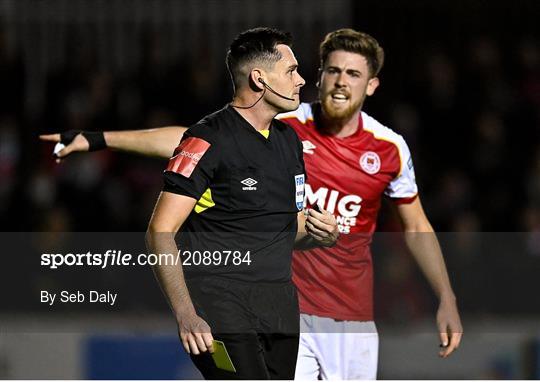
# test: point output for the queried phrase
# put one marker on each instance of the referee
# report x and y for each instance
(235, 190)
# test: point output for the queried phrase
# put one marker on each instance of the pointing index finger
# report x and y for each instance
(50, 137)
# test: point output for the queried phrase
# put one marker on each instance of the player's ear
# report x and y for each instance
(319, 74)
(373, 84)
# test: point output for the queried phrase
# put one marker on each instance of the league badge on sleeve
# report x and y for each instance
(299, 181)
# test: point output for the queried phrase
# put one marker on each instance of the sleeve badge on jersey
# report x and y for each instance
(300, 182)
(187, 155)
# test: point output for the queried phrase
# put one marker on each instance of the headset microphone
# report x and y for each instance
(273, 91)
(262, 95)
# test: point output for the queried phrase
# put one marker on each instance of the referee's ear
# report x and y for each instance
(255, 82)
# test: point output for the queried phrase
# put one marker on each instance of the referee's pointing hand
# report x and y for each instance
(195, 334)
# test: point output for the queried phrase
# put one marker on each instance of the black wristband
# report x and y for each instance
(96, 140)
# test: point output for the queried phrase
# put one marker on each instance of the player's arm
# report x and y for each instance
(424, 246)
(169, 214)
(317, 229)
(159, 142)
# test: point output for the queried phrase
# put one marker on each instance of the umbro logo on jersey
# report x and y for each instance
(370, 162)
(308, 147)
(249, 183)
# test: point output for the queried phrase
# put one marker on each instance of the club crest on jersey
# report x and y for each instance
(299, 181)
(370, 162)
(308, 147)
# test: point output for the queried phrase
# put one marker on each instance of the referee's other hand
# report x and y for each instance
(79, 143)
(195, 334)
(322, 226)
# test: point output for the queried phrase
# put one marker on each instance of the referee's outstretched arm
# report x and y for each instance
(169, 214)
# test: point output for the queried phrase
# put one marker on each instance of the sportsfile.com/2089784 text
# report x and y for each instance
(118, 258)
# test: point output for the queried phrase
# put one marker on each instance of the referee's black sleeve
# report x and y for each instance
(193, 164)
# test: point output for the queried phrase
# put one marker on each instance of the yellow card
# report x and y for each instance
(221, 357)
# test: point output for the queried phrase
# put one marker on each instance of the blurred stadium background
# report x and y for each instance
(461, 82)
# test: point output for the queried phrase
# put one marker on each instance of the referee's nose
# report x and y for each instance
(299, 81)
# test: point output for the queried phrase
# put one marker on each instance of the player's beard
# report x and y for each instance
(342, 114)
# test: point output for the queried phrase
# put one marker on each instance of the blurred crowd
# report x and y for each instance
(468, 105)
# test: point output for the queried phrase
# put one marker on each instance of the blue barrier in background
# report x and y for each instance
(137, 357)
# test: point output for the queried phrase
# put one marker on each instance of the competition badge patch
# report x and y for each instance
(299, 181)
(370, 162)
(187, 155)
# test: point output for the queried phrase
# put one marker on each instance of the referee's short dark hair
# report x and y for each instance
(257, 45)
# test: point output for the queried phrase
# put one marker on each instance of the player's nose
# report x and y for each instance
(340, 80)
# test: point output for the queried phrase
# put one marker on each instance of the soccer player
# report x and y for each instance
(352, 161)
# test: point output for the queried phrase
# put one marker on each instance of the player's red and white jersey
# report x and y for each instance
(348, 177)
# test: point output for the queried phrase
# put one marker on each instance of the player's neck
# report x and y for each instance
(341, 128)
(260, 115)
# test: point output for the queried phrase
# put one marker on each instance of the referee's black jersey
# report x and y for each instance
(249, 188)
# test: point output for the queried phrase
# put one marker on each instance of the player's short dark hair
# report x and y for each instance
(353, 41)
(255, 45)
